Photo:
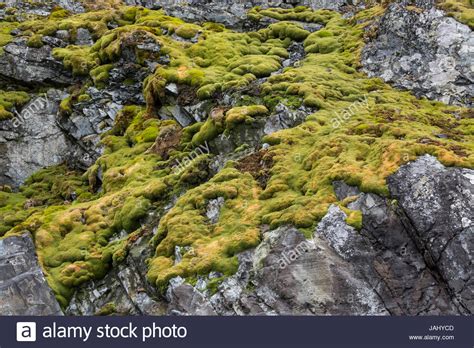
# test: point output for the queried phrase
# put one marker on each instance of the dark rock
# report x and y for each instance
(439, 205)
(33, 66)
(32, 140)
(343, 191)
(23, 288)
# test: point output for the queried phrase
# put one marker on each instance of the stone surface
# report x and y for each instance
(427, 53)
(439, 204)
(23, 288)
(230, 13)
(32, 140)
(32, 66)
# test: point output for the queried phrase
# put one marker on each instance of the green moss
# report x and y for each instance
(300, 13)
(284, 30)
(133, 210)
(12, 211)
(76, 58)
(244, 114)
(462, 10)
(5, 36)
(213, 247)
(108, 309)
(10, 100)
(48, 187)
(187, 31)
(101, 74)
(65, 105)
(322, 45)
(84, 98)
(35, 41)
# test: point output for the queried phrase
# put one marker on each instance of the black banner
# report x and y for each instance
(117, 332)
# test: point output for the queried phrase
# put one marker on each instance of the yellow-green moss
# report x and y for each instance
(35, 41)
(10, 100)
(5, 33)
(213, 247)
(243, 114)
(76, 58)
(101, 74)
(462, 10)
(187, 31)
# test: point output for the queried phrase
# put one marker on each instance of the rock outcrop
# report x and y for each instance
(439, 207)
(400, 263)
(23, 288)
(32, 139)
(425, 52)
(32, 66)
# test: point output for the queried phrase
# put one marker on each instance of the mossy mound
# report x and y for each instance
(211, 247)
(5, 33)
(10, 100)
(462, 10)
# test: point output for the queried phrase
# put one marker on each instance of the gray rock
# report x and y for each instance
(23, 287)
(177, 113)
(186, 300)
(32, 65)
(32, 140)
(385, 255)
(343, 191)
(214, 209)
(284, 118)
(63, 35)
(427, 53)
(83, 37)
(439, 205)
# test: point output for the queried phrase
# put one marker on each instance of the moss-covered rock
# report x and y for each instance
(361, 131)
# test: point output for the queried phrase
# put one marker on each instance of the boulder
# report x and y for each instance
(439, 207)
(425, 52)
(32, 66)
(23, 287)
(32, 140)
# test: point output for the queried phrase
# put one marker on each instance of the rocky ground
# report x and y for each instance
(236, 158)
